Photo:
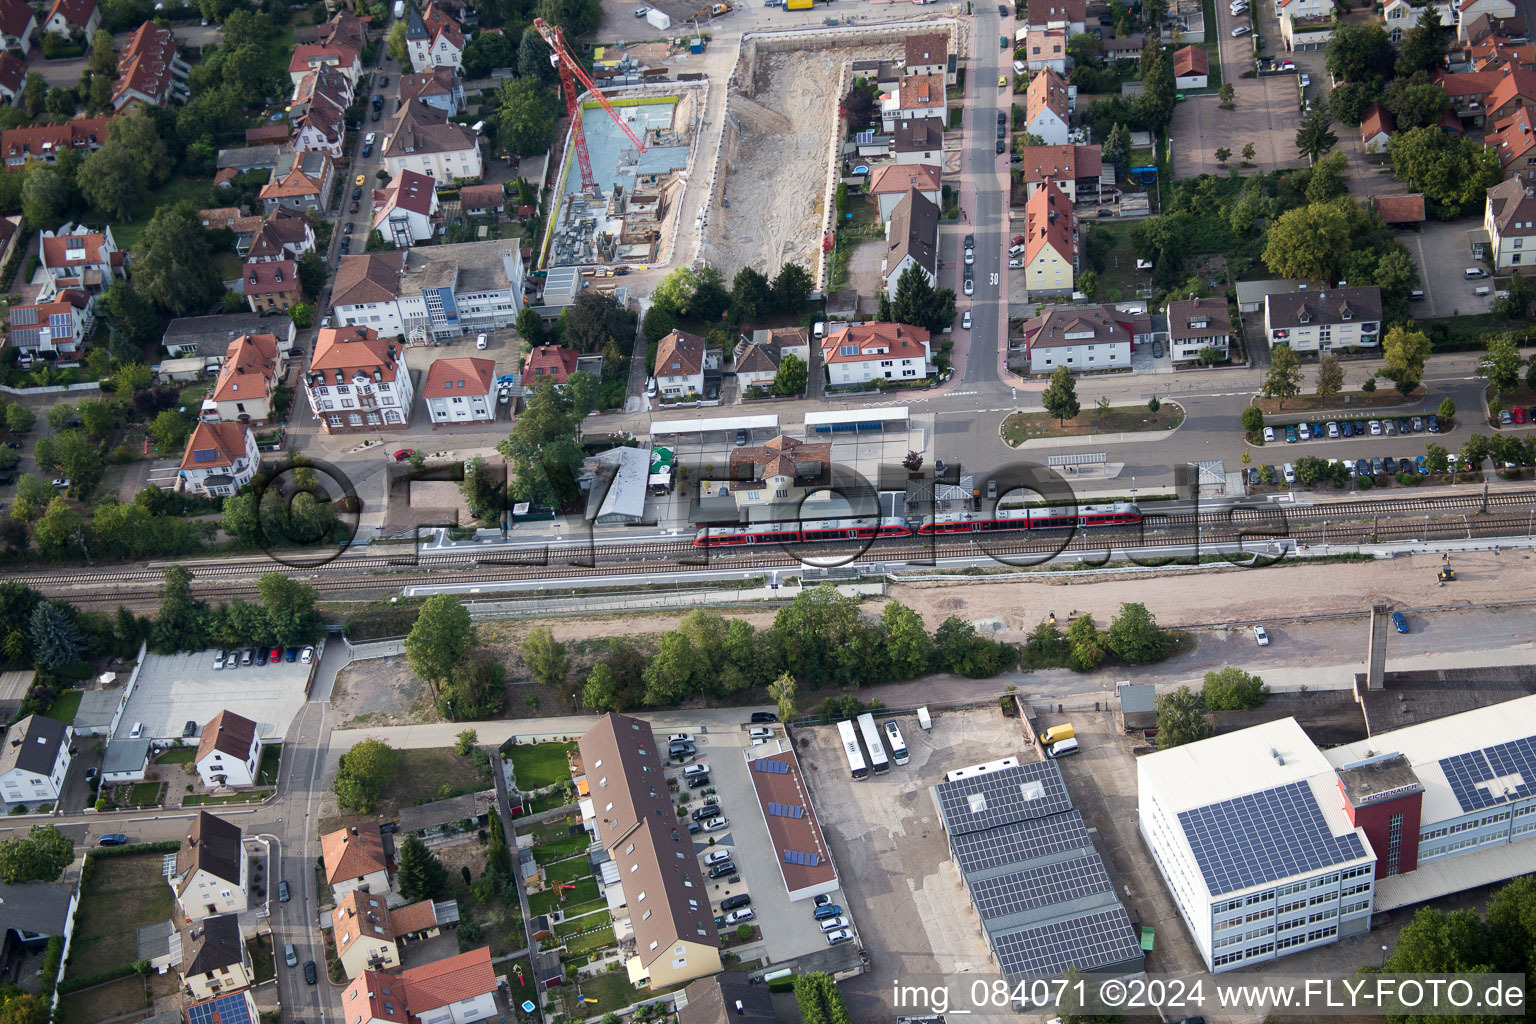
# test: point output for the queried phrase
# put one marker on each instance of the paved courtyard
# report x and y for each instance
(178, 688)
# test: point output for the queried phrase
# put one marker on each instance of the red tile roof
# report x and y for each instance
(1400, 209)
(76, 12)
(1468, 84)
(1046, 90)
(482, 197)
(1048, 218)
(275, 132)
(307, 56)
(57, 251)
(442, 25)
(437, 81)
(352, 853)
(1511, 136)
(680, 354)
(375, 995)
(226, 732)
(801, 832)
(250, 364)
(367, 277)
(144, 66)
(1375, 122)
(875, 341)
(16, 16)
(553, 362)
(922, 92)
(225, 442)
(353, 350)
(449, 980)
(1060, 162)
(1517, 83)
(417, 917)
(460, 375)
(1192, 60)
(275, 278)
(13, 73)
(80, 134)
(897, 178)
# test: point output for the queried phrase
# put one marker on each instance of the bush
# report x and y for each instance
(1232, 689)
(1365, 483)
(78, 982)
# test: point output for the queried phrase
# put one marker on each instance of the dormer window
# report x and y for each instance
(1305, 318)
(1346, 315)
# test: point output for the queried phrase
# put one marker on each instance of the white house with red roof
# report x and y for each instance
(52, 330)
(220, 459)
(680, 364)
(434, 39)
(318, 111)
(18, 24)
(1051, 245)
(308, 57)
(73, 19)
(283, 235)
(403, 210)
(81, 259)
(460, 390)
(150, 70)
(358, 381)
(455, 990)
(888, 184)
(550, 362)
(13, 76)
(875, 351)
(253, 365)
(436, 87)
(83, 135)
(228, 752)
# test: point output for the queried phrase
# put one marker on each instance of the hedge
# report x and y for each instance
(51, 957)
(164, 846)
(69, 985)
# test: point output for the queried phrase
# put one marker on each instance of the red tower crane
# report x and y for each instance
(571, 69)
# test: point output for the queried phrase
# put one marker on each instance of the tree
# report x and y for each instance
(1232, 689)
(363, 774)
(1060, 396)
(791, 289)
(1228, 97)
(477, 689)
(710, 297)
(542, 449)
(97, 417)
(1284, 377)
(175, 269)
(1253, 419)
(858, 107)
(1501, 362)
(1447, 410)
(533, 58)
(670, 675)
(919, 303)
(751, 294)
(135, 317)
(1424, 46)
(111, 181)
(170, 430)
(41, 856)
(1330, 377)
(1248, 152)
(791, 378)
(313, 272)
(527, 112)
(1315, 137)
(103, 57)
(1358, 52)
(19, 419)
(545, 657)
(1415, 104)
(782, 692)
(1436, 458)
(1349, 100)
(593, 321)
(487, 51)
(585, 391)
(302, 314)
(957, 648)
(575, 17)
(1134, 635)
(289, 605)
(1181, 719)
(1117, 147)
(659, 321)
(1327, 181)
(421, 875)
(396, 47)
(59, 415)
(908, 648)
(600, 693)
(140, 137)
(1223, 154)
(1451, 171)
(1405, 353)
(55, 638)
(34, 93)
(440, 639)
(45, 197)
(1085, 647)
(530, 325)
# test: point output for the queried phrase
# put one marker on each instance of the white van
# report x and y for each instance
(1061, 748)
(821, 329)
(1473, 273)
(1482, 292)
(138, 730)
(1290, 473)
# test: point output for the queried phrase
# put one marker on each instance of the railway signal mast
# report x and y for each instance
(570, 70)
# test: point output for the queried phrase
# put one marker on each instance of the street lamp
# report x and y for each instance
(1383, 957)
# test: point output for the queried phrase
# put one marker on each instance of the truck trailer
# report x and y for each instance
(658, 19)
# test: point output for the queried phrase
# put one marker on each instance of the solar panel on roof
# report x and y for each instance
(801, 857)
(1262, 837)
(786, 810)
(1513, 763)
(1085, 943)
(1016, 793)
(1040, 886)
(205, 455)
(1020, 842)
(772, 767)
(230, 1009)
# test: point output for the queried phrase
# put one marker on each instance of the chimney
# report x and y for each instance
(354, 830)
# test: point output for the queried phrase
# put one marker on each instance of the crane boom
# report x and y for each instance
(571, 69)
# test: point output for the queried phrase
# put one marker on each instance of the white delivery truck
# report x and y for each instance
(399, 9)
(924, 719)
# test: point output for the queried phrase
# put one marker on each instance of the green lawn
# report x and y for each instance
(121, 895)
(537, 765)
(544, 902)
(548, 853)
(104, 1001)
(1119, 279)
(553, 831)
(1020, 427)
(424, 775)
(63, 709)
(567, 870)
(261, 958)
(178, 755)
(548, 802)
(266, 769)
(597, 940)
(585, 923)
(204, 799)
(198, 192)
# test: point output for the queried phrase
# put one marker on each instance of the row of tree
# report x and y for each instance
(1133, 636)
(1183, 715)
(286, 616)
(699, 298)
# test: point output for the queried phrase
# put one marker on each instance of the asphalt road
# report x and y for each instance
(987, 215)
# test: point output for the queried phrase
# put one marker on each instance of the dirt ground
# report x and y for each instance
(380, 691)
(776, 149)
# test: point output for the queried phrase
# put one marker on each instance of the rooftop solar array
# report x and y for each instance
(1020, 841)
(1015, 793)
(1512, 763)
(786, 810)
(230, 1009)
(772, 767)
(801, 857)
(1262, 837)
(1086, 943)
(1061, 882)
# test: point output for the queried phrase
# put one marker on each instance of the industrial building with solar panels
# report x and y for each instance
(1271, 846)
(1045, 901)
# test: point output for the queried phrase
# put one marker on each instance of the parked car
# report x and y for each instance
(738, 916)
(723, 868)
(1418, 424)
(741, 436)
(694, 828)
(276, 655)
(1261, 635)
(832, 924)
(695, 769)
(1289, 472)
(189, 729)
(291, 655)
(763, 716)
(113, 839)
(307, 655)
(680, 737)
(822, 900)
(1241, 30)
(970, 286)
(736, 902)
(965, 320)
(404, 453)
(1269, 435)
(1400, 621)
(246, 657)
(1362, 467)
(1389, 465)
(841, 935)
(1333, 430)
(1290, 433)
(1433, 423)
(63, 481)
(1377, 467)
(1422, 463)
(90, 774)
(310, 974)
(284, 894)
(290, 955)
(716, 856)
(218, 660)
(827, 910)
(760, 733)
(1303, 432)
(716, 824)
(697, 781)
(1375, 426)
(1505, 419)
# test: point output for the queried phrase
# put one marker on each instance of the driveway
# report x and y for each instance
(1443, 253)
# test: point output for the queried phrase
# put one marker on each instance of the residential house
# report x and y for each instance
(1068, 14)
(1325, 320)
(480, 200)
(1046, 48)
(436, 87)
(355, 859)
(211, 336)
(18, 24)
(1496, 52)
(249, 158)
(211, 875)
(421, 138)
(455, 990)
(31, 913)
(1122, 48)
(150, 71)
(1515, 91)
(1405, 208)
(548, 362)
(1485, 26)
(1050, 242)
(1078, 338)
(1191, 68)
(726, 998)
(1468, 91)
(73, 19)
(1305, 24)
(1402, 15)
(282, 235)
(759, 357)
(318, 112)
(1509, 217)
(214, 959)
(890, 183)
(344, 29)
(1469, 11)
(229, 752)
(80, 259)
(358, 381)
(220, 458)
(405, 209)
(1195, 325)
(1304, 8)
(663, 885)
(301, 180)
(52, 330)
(310, 57)
(432, 292)
(434, 39)
(916, 97)
(1074, 169)
(272, 287)
(680, 365)
(928, 54)
(875, 351)
(777, 480)
(364, 933)
(83, 135)
(911, 240)
(1376, 128)
(35, 760)
(13, 76)
(461, 390)
(916, 141)
(1047, 107)
(231, 1006)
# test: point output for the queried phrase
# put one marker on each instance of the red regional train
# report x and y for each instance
(1118, 514)
(870, 527)
(809, 530)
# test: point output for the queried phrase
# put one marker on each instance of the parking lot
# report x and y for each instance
(1443, 254)
(178, 688)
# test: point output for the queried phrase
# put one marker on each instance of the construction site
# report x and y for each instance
(626, 213)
